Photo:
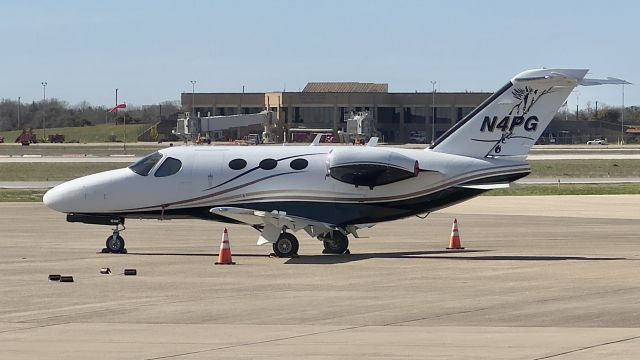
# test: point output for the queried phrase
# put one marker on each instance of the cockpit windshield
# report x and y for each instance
(144, 165)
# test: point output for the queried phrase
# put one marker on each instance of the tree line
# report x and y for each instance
(606, 113)
(58, 113)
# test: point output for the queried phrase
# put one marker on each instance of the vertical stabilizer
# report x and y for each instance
(510, 121)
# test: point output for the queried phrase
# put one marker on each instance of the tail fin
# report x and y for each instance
(510, 121)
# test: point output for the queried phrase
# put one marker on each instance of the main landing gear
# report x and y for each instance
(287, 245)
(115, 242)
(335, 242)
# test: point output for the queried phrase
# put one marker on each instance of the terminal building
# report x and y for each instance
(397, 117)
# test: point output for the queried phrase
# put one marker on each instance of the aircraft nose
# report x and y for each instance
(61, 198)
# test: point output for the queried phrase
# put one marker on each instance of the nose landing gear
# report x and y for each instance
(115, 242)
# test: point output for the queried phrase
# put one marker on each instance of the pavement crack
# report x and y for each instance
(34, 327)
(436, 316)
(587, 348)
(255, 343)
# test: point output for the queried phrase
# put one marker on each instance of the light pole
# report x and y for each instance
(115, 122)
(193, 94)
(433, 111)
(18, 112)
(622, 127)
(44, 110)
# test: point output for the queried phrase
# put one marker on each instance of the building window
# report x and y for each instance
(251, 110)
(389, 115)
(225, 111)
(202, 111)
(313, 115)
(443, 115)
(237, 164)
(415, 115)
(462, 112)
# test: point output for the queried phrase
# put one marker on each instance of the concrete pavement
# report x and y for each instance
(542, 277)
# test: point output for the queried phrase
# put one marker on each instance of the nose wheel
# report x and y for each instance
(115, 243)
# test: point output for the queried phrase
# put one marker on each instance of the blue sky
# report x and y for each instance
(151, 49)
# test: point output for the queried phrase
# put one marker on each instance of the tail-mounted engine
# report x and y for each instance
(370, 167)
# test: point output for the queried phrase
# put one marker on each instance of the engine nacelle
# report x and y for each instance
(370, 167)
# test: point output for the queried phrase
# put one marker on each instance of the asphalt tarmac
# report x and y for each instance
(540, 278)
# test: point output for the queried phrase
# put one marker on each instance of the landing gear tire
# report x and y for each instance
(335, 243)
(115, 244)
(286, 246)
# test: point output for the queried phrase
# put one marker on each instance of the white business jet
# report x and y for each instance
(328, 191)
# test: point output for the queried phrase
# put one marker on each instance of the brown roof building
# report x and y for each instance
(327, 105)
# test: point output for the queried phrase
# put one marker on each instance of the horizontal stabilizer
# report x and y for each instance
(607, 81)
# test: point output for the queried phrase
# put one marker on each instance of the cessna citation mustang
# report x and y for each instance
(329, 192)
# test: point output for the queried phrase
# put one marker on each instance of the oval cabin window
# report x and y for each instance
(268, 164)
(299, 164)
(237, 164)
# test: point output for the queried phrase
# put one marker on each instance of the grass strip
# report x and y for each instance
(21, 195)
(567, 189)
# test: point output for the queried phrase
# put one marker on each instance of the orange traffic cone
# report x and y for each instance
(454, 243)
(224, 258)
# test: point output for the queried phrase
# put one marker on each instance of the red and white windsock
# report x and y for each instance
(119, 106)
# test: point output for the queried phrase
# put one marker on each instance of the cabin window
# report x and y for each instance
(144, 165)
(237, 164)
(298, 164)
(169, 167)
(268, 164)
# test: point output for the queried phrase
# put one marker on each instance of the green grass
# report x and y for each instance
(85, 134)
(567, 189)
(52, 171)
(105, 149)
(15, 195)
(585, 168)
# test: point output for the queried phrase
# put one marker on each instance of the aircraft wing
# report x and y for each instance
(273, 223)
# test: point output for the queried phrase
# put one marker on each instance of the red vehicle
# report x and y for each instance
(27, 137)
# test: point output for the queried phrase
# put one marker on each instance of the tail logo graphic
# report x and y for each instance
(527, 97)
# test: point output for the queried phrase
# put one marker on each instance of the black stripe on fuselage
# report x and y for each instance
(257, 168)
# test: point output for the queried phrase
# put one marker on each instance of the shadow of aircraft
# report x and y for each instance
(430, 255)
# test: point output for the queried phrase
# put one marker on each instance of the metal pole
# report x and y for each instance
(622, 113)
(433, 111)
(193, 94)
(577, 104)
(18, 112)
(44, 110)
(116, 116)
